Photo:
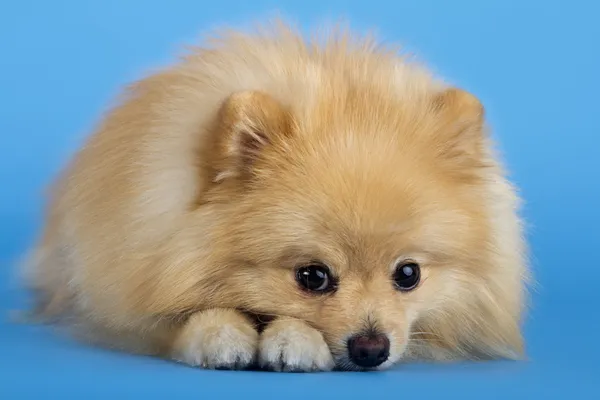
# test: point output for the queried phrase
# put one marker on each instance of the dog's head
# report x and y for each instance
(367, 216)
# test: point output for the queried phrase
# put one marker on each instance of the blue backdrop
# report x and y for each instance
(535, 65)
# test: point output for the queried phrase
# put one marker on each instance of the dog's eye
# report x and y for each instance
(407, 275)
(315, 278)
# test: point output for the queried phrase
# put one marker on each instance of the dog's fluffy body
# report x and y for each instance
(189, 209)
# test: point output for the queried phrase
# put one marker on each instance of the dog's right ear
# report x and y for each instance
(248, 123)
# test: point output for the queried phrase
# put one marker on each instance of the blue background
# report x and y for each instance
(535, 65)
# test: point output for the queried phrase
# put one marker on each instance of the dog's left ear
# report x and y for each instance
(460, 131)
(249, 123)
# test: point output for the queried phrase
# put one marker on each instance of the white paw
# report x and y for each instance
(292, 345)
(217, 341)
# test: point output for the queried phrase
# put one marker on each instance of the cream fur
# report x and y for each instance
(203, 189)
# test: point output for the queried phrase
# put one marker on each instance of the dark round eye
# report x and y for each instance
(407, 275)
(315, 278)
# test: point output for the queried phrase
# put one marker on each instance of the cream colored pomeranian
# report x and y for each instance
(291, 205)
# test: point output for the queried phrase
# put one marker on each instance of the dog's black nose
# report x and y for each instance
(369, 351)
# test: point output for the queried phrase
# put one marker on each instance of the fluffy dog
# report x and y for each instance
(290, 204)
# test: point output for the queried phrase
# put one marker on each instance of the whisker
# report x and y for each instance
(424, 333)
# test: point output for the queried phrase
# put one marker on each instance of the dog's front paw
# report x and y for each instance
(217, 339)
(292, 345)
